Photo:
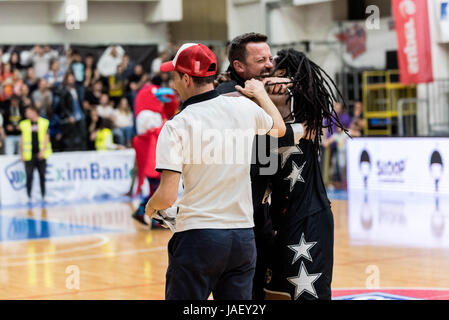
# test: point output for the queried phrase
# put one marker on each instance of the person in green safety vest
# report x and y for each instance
(35, 147)
(104, 139)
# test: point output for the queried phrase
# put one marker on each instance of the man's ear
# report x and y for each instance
(239, 67)
(187, 80)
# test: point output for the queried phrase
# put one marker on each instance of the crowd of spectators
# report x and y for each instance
(76, 93)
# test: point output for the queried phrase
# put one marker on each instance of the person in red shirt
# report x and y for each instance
(153, 106)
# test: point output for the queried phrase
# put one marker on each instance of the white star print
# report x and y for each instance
(304, 282)
(286, 152)
(295, 175)
(302, 249)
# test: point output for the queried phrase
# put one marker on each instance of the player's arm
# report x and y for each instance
(166, 194)
(255, 89)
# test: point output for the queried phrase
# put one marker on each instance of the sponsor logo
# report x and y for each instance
(93, 171)
(407, 9)
(15, 174)
(391, 168)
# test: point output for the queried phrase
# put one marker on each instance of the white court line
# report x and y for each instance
(102, 242)
(87, 257)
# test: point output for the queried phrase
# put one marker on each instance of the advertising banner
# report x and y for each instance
(414, 45)
(70, 176)
(418, 165)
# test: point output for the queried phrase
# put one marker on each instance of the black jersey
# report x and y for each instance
(298, 190)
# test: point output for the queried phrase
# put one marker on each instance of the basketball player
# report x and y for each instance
(302, 256)
(213, 248)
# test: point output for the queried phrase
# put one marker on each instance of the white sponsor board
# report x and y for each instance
(418, 165)
(70, 176)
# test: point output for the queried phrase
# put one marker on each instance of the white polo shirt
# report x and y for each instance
(210, 143)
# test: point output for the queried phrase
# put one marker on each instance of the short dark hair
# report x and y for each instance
(33, 108)
(199, 81)
(237, 48)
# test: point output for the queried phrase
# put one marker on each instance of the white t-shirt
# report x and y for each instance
(210, 143)
(122, 120)
(105, 112)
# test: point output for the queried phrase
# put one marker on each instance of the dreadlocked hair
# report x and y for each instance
(312, 92)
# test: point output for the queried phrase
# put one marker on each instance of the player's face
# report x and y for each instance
(259, 61)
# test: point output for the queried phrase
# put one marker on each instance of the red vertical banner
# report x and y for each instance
(413, 33)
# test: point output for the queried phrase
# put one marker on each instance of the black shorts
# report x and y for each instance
(302, 259)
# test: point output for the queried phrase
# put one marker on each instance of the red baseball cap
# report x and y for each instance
(194, 59)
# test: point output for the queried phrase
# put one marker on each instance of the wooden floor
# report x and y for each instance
(95, 251)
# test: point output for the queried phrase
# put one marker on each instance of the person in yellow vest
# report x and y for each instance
(35, 147)
(104, 139)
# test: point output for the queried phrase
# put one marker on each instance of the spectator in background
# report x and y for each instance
(93, 124)
(344, 117)
(14, 60)
(72, 117)
(105, 109)
(104, 138)
(127, 66)
(91, 74)
(25, 97)
(358, 122)
(55, 76)
(117, 85)
(108, 62)
(336, 142)
(13, 115)
(78, 67)
(42, 98)
(156, 64)
(7, 81)
(123, 123)
(40, 58)
(93, 95)
(338, 161)
(66, 60)
(18, 81)
(30, 79)
(135, 82)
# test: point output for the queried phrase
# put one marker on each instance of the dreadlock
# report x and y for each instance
(312, 92)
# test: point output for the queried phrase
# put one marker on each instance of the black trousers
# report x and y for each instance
(303, 257)
(41, 166)
(201, 261)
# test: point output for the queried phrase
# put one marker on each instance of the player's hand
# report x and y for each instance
(222, 77)
(253, 89)
(149, 210)
(276, 85)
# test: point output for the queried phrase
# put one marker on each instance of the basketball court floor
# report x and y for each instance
(385, 248)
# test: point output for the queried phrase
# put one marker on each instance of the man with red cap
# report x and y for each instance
(213, 248)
